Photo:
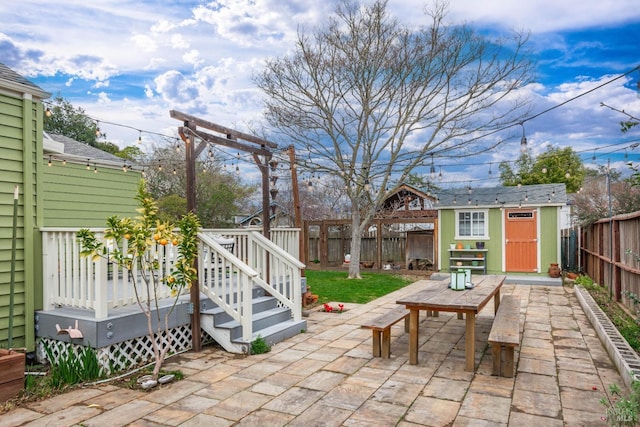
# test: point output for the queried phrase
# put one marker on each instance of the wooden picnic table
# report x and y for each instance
(437, 296)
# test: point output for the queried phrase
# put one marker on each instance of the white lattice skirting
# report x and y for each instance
(123, 355)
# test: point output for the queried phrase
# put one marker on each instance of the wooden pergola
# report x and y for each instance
(262, 155)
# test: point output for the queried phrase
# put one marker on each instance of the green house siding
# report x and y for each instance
(20, 146)
(77, 197)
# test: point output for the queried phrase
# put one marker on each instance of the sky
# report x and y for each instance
(130, 62)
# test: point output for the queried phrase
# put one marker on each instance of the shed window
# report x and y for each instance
(471, 224)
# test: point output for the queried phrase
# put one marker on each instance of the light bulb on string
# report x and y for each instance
(567, 175)
(88, 165)
(95, 168)
(237, 170)
(124, 168)
(440, 174)
(64, 162)
(48, 112)
(526, 196)
(523, 140)
(159, 166)
(544, 170)
(98, 133)
(175, 172)
(49, 164)
(432, 170)
(139, 137)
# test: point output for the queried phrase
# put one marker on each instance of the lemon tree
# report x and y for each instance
(135, 244)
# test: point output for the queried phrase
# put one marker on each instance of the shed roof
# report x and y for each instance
(526, 195)
(14, 81)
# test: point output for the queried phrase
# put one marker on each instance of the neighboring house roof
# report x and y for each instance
(524, 196)
(70, 149)
(12, 80)
(258, 214)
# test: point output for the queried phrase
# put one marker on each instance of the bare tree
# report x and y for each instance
(597, 200)
(369, 99)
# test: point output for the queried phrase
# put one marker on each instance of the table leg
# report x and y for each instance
(414, 315)
(496, 302)
(470, 341)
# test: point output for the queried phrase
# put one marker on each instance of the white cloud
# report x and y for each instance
(192, 58)
(179, 42)
(144, 42)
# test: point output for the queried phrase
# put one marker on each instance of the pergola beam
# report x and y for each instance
(230, 134)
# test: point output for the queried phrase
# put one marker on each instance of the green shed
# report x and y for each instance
(514, 230)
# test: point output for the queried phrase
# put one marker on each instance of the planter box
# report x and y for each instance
(11, 374)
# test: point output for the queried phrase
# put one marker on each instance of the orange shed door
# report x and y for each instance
(521, 241)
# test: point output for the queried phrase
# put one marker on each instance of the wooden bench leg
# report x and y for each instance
(508, 362)
(376, 343)
(406, 324)
(460, 316)
(496, 350)
(386, 343)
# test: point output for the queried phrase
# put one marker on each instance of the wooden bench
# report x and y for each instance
(505, 333)
(381, 329)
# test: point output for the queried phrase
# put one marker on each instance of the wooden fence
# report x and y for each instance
(610, 255)
(398, 242)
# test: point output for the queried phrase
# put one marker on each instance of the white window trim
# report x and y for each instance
(486, 224)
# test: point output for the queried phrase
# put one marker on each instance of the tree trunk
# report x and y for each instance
(354, 263)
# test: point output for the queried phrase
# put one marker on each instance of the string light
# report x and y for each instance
(433, 169)
(88, 166)
(523, 140)
(139, 137)
(49, 161)
(95, 168)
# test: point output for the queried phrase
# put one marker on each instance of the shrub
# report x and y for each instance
(260, 346)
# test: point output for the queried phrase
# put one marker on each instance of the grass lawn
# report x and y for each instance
(333, 286)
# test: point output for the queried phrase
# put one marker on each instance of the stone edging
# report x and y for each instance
(623, 356)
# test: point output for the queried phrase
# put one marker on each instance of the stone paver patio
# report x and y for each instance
(327, 376)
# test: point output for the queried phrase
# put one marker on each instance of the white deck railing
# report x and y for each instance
(256, 261)
(70, 280)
